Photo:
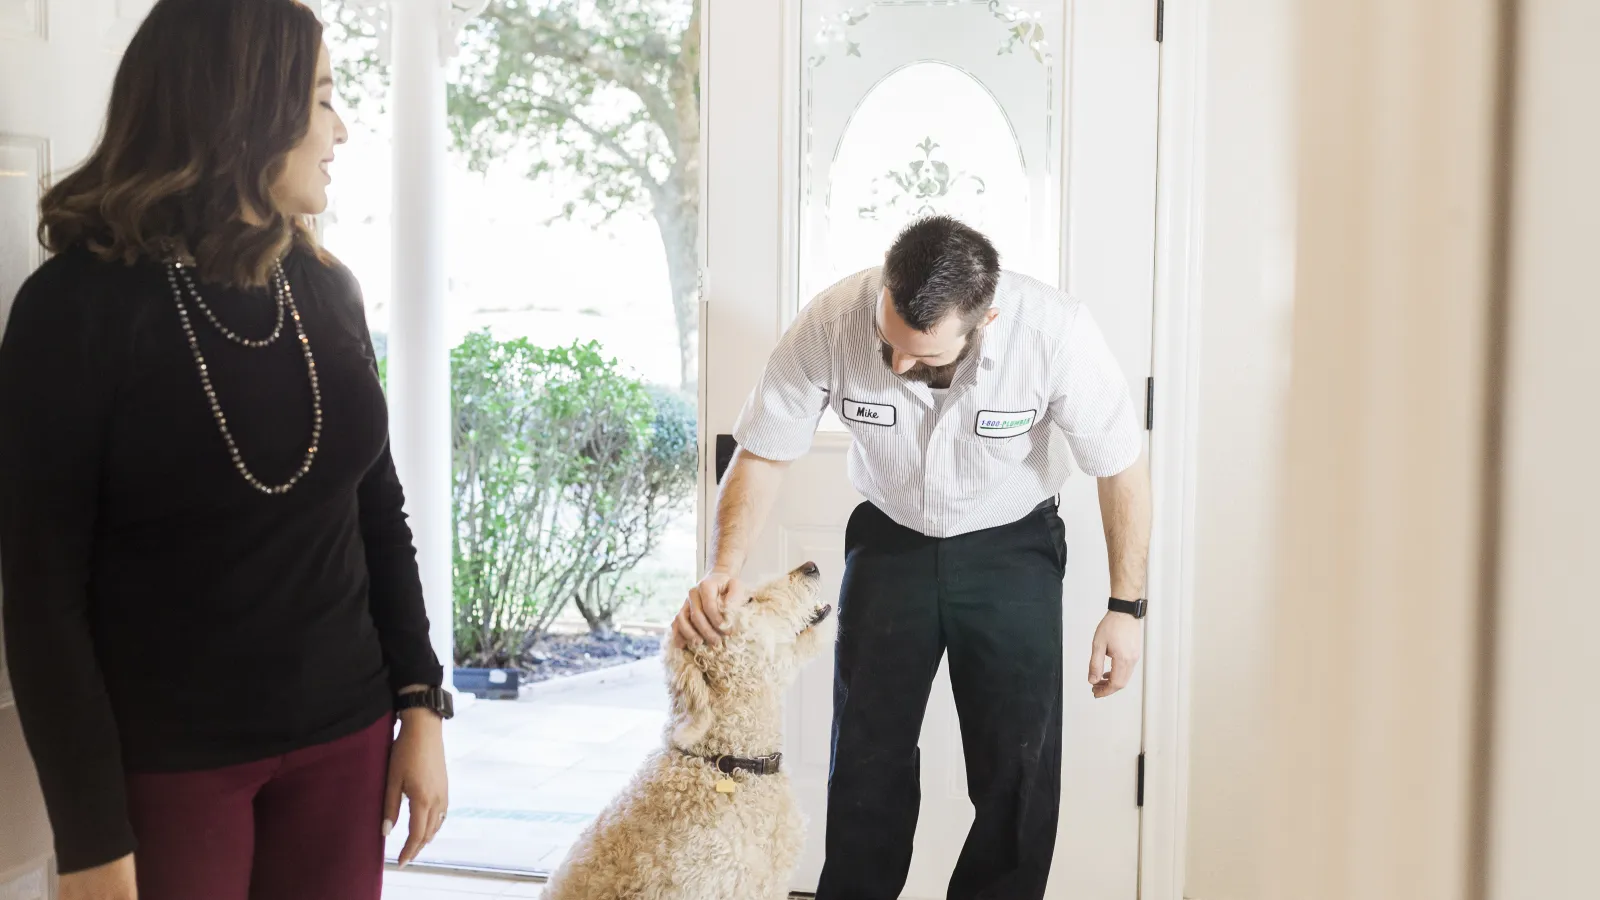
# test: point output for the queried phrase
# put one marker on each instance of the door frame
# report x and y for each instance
(1174, 446)
(1175, 358)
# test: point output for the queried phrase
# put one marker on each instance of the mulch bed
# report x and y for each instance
(560, 655)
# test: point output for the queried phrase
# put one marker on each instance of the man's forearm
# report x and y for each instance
(748, 492)
(1125, 510)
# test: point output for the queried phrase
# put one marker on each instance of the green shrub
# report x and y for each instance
(642, 498)
(566, 473)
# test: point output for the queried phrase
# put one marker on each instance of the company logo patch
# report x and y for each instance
(867, 413)
(1000, 424)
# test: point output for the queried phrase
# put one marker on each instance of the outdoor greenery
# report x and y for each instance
(645, 495)
(605, 91)
(567, 471)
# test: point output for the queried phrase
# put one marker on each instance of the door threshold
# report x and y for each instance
(487, 873)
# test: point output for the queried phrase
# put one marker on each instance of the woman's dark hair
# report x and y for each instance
(209, 99)
(938, 266)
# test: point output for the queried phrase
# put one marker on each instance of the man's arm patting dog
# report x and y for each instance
(749, 489)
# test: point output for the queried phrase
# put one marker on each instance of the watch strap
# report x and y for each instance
(1135, 608)
(435, 698)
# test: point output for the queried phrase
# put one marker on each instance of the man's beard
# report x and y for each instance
(933, 376)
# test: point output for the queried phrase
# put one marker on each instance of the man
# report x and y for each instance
(965, 387)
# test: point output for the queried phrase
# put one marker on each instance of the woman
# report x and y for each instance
(212, 606)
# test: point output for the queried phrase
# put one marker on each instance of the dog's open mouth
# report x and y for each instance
(820, 616)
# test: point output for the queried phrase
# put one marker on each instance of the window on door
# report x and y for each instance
(916, 107)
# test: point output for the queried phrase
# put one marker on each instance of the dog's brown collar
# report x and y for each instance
(727, 765)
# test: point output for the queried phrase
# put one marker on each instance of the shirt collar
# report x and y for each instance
(994, 334)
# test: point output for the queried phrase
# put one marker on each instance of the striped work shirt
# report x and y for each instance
(1040, 389)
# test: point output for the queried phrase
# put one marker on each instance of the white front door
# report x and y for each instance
(829, 125)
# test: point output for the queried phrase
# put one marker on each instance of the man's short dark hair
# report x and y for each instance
(938, 266)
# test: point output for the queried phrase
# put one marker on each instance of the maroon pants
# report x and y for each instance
(305, 826)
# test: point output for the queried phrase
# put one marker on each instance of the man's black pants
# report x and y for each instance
(992, 598)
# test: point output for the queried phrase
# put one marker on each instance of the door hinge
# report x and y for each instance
(1161, 20)
(1139, 791)
(1149, 404)
(724, 450)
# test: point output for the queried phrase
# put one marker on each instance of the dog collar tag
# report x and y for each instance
(727, 786)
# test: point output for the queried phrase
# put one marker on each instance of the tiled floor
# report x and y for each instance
(527, 775)
(427, 886)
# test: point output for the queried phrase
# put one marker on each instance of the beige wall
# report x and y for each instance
(1372, 771)
(1244, 371)
(1378, 684)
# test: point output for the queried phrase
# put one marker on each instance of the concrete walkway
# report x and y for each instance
(428, 886)
(527, 775)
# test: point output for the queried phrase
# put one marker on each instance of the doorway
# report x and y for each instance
(1034, 120)
(571, 265)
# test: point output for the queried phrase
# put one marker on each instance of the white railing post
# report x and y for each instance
(420, 36)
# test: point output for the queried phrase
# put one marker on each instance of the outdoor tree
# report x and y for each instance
(607, 91)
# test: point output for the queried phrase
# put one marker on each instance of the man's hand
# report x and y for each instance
(701, 619)
(112, 881)
(1120, 637)
(748, 489)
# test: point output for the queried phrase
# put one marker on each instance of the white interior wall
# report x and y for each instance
(1244, 371)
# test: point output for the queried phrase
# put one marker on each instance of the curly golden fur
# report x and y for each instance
(670, 835)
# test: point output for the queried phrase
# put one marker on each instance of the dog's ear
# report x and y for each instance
(691, 696)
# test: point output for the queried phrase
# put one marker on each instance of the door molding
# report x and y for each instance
(1175, 364)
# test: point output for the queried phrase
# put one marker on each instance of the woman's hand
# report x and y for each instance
(417, 772)
(112, 881)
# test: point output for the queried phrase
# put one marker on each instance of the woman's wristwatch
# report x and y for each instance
(436, 699)
(1135, 608)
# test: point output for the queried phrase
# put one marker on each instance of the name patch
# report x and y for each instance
(1000, 424)
(867, 413)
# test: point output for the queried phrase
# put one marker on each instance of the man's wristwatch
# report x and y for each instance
(436, 699)
(1135, 608)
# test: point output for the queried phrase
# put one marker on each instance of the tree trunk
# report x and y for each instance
(677, 202)
(677, 218)
(596, 615)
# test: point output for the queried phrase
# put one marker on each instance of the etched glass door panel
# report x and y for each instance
(910, 108)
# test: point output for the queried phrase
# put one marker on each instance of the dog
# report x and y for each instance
(711, 815)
